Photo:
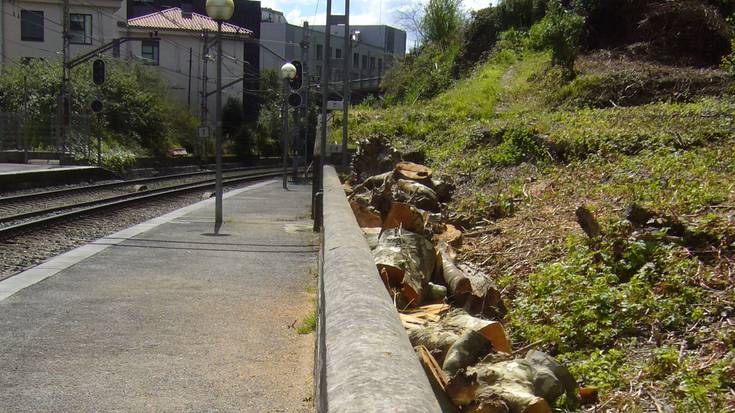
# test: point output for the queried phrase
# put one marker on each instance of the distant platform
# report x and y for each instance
(14, 176)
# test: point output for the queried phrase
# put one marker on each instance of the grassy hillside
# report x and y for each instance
(645, 315)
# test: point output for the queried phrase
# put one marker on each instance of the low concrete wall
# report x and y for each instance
(37, 178)
(365, 362)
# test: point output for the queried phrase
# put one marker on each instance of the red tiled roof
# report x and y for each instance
(171, 19)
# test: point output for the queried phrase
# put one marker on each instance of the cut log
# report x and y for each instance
(468, 349)
(485, 297)
(417, 194)
(407, 259)
(444, 188)
(451, 235)
(587, 222)
(437, 379)
(457, 282)
(412, 171)
(497, 386)
(439, 336)
(436, 292)
(377, 181)
(372, 235)
(366, 216)
(404, 216)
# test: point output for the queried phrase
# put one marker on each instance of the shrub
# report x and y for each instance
(561, 31)
(422, 74)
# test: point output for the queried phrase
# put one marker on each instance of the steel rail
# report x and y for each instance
(8, 231)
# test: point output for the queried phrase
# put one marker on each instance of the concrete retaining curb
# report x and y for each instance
(364, 360)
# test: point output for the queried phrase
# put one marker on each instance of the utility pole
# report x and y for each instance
(346, 82)
(203, 115)
(284, 133)
(305, 107)
(65, 100)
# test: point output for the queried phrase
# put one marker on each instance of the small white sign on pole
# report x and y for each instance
(335, 105)
(203, 132)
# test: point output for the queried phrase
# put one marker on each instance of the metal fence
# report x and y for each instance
(41, 134)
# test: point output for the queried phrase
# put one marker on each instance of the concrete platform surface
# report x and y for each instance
(173, 319)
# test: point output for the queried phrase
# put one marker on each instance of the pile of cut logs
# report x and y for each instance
(451, 310)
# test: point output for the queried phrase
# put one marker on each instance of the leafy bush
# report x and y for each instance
(561, 31)
(441, 22)
(421, 74)
(486, 25)
(138, 112)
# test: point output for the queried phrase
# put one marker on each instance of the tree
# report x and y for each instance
(441, 21)
(561, 30)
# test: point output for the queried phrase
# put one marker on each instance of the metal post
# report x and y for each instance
(296, 129)
(218, 122)
(188, 94)
(284, 133)
(99, 139)
(65, 100)
(346, 82)
(203, 115)
(325, 98)
(305, 107)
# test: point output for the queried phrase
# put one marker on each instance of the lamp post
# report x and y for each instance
(219, 10)
(288, 72)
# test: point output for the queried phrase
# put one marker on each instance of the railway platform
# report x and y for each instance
(166, 316)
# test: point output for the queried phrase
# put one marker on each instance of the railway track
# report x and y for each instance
(22, 214)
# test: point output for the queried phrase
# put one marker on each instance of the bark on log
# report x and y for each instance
(417, 194)
(470, 347)
(408, 261)
(437, 378)
(457, 282)
(485, 297)
(504, 386)
(439, 336)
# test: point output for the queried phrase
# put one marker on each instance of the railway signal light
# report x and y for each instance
(98, 72)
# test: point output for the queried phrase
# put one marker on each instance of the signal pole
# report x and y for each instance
(203, 115)
(65, 100)
(305, 108)
(346, 82)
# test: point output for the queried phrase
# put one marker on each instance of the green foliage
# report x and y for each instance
(626, 288)
(561, 31)
(728, 62)
(138, 113)
(308, 324)
(441, 22)
(420, 75)
(485, 27)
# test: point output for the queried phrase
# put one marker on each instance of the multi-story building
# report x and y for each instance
(374, 49)
(33, 28)
(184, 54)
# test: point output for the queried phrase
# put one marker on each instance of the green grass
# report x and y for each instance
(308, 324)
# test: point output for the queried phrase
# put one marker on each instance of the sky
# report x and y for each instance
(362, 12)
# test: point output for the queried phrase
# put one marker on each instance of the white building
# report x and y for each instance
(33, 28)
(182, 58)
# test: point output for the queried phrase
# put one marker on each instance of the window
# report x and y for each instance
(31, 25)
(372, 64)
(356, 60)
(149, 51)
(318, 72)
(364, 62)
(319, 51)
(80, 28)
(338, 54)
(380, 65)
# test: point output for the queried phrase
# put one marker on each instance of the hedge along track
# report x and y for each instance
(27, 222)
